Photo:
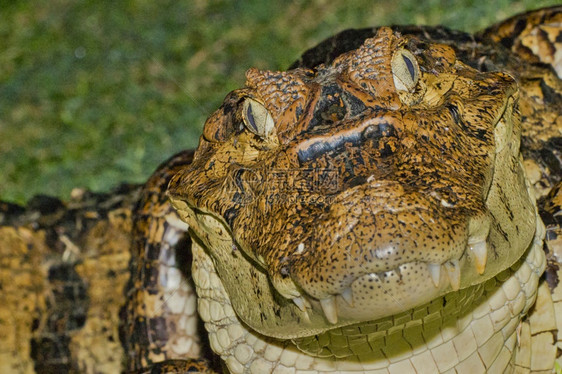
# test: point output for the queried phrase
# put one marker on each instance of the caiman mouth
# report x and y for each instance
(507, 295)
(464, 321)
(430, 210)
(379, 248)
(408, 247)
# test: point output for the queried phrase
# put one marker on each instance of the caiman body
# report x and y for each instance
(372, 209)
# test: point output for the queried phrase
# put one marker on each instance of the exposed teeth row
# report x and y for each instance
(451, 268)
(328, 305)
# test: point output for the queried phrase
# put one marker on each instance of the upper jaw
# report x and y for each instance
(382, 256)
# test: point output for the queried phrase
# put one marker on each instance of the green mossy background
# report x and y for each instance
(94, 93)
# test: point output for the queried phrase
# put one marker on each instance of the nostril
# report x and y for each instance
(380, 130)
(371, 132)
(285, 271)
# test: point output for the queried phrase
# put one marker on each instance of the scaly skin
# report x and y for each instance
(415, 185)
(429, 197)
(367, 211)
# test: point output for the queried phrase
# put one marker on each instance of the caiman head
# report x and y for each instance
(360, 189)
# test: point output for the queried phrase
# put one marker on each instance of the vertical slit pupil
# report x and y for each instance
(410, 67)
(250, 117)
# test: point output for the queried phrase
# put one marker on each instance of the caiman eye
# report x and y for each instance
(405, 70)
(256, 118)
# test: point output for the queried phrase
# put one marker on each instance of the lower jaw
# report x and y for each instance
(472, 329)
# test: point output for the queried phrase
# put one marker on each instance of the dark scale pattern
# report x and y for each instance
(146, 332)
(67, 309)
(58, 240)
(151, 326)
(551, 214)
(178, 366)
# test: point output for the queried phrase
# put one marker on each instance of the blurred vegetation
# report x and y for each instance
(94, 93)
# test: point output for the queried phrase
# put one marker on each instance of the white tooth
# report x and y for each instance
(302, 304)
(480, 251)
(454, 273)
(435, 272)
(347, 295)
(299, 301)
(329, 307)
